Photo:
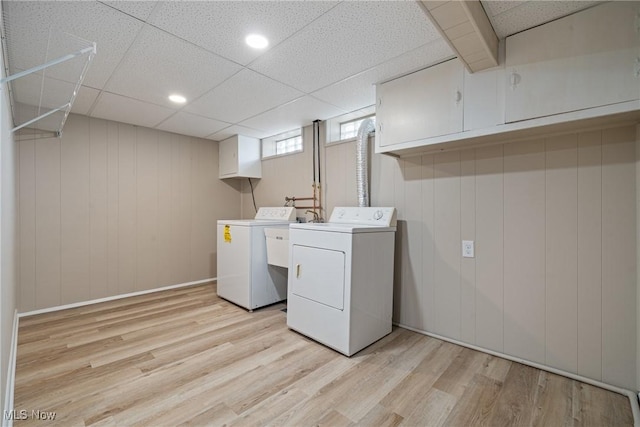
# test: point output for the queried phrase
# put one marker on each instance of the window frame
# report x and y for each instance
(334, 125)
(275, 139)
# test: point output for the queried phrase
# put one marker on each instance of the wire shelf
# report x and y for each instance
(43, 80)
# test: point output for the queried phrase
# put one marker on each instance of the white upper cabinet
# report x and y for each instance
(421, 105)
(483, 99)
(239, 157)
(582, 61)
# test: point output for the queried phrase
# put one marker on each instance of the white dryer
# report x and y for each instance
(341, 278)
(244, 277)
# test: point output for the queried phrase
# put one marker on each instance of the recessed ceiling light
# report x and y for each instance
(257, 41)
(178, 99)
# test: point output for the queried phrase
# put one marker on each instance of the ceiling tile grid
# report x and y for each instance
(159, 64)
(236, 130)
(343, 42)
(29, 23)
(137, 9)
(85, 99)
(221, 26)
(191, 125)
(358, 91)
(301, 112)
(323, 60)
(111, 106)
(244, 95)
(515, 17)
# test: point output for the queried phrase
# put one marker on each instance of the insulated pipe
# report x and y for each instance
(362, 161)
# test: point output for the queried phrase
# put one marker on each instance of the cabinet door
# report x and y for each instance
(228, 157)
(421, 105)
(585, 60)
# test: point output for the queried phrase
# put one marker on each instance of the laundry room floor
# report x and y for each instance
(186, 357)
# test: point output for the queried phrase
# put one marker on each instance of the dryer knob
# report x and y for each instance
(377, 215)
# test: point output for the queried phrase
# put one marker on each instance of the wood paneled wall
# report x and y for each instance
(112, 208)
(553, 280)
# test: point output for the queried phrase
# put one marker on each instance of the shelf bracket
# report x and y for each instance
(90, 51)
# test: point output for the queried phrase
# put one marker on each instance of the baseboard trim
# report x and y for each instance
(633, 397)
(11, 374)
(112, 298)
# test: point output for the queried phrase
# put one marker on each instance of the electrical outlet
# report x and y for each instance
(468, 249)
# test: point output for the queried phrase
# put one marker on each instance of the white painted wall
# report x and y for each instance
(8, 220)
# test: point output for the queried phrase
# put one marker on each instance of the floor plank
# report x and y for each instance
(186, 357)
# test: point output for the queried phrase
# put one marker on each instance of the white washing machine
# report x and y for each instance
(244, 277)
(341, 278)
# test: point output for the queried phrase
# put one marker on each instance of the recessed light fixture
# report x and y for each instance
(257, 41)
(178, 99)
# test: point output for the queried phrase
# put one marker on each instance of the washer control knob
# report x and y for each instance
(377, 215)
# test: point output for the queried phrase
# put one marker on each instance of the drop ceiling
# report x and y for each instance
(323, 60)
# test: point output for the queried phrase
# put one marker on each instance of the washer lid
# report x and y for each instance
(252, 222)
(334, 227)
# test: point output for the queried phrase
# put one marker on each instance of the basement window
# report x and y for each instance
(345, 127)
(349, 129)
(282, 144)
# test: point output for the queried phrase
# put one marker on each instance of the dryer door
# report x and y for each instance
(318, 275)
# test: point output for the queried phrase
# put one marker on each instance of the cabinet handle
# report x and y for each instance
(380, 128)
(514, 79)
(379, 102)
(297, 271)
(636, 68)
(458, 97)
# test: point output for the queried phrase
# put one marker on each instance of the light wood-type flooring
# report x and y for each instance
(186, 357)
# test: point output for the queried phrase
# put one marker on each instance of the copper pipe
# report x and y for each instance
(293, 199)
(307, 207)
(320, 199)
(314, 197)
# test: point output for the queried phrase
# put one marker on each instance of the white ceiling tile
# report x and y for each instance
(191, 124)
(84, 100)
(351, 94)
(341, 44)
(221, 26)
(533, 13)
(237, 130)
(127, 110)
(28, 24)
(422, 57)
(242, 96)
(496, 7)
(295, 114)
(138, 9)
(159, 64)
(359, 91)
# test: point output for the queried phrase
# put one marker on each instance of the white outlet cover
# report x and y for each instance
(468, 249)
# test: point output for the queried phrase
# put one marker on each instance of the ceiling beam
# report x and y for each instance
(466, 27)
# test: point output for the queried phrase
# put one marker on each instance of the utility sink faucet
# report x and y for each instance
(316, 216)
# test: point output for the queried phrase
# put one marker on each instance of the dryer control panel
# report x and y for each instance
(277, 213)
(382, 216)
